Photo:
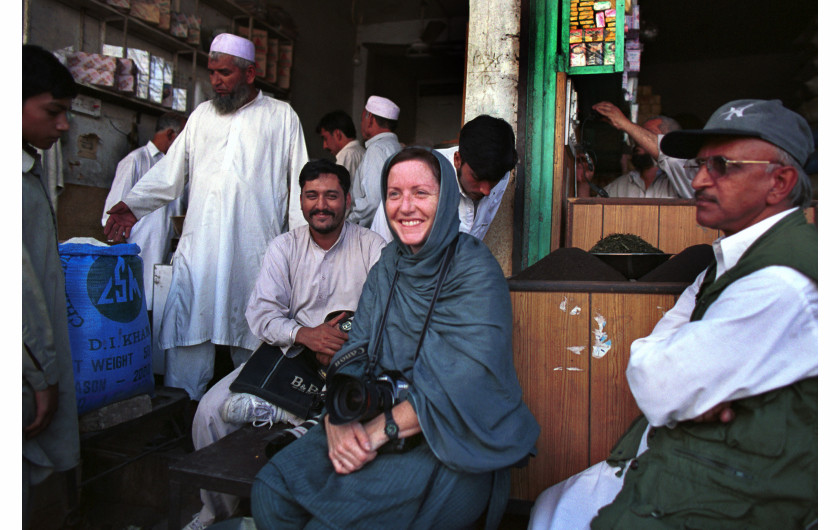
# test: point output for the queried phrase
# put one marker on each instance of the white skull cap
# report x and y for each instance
(233, 45)
(383, 107)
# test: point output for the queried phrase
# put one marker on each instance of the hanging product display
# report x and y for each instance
(592, 36)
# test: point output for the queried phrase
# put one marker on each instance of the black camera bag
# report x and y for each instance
(294, 384)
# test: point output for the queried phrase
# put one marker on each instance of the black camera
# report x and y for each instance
(351, 399)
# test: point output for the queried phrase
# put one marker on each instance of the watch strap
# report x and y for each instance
(392, 430)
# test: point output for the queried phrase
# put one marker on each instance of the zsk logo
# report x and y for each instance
(114, 287)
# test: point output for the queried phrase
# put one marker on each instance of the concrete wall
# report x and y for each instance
(322, 66)
(492, 88)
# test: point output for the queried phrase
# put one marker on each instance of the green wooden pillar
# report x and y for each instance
(542, 78)
(546, 59)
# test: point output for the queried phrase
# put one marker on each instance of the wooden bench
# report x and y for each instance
(227, 466)
(164, 426)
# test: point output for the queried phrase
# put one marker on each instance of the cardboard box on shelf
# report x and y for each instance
(92, 68)
(112, 51)
(179, 25)
(156, 76)
(122, 5)
(142, 63)
(126, 84)
(168, 70)
(284, 66)
(193, 29)
(164, 6)
(271, 71)
(179, 99)
(145, 10)
(260, 39)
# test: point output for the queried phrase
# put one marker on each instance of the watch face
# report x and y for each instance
(391, 429)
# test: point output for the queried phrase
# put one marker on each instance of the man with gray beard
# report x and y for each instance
(238, 152)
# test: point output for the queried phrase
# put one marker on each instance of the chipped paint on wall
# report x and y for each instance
(575, 310)
(602, 340)
(568, 369)
(577, 350)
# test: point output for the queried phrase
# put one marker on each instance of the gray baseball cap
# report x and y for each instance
(752, 118)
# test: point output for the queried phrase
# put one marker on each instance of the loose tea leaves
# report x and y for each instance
(624, 244)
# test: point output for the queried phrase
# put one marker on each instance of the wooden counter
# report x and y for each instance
(574, 382)
(667, 224)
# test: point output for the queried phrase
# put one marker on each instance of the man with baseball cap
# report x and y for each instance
(379, 121)
(238, 152)
(727, 380)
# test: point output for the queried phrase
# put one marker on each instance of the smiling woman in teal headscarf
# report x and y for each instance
(463, 398)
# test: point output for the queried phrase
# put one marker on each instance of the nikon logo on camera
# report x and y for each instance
(113, 286)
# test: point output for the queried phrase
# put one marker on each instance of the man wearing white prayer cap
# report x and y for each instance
(238, 151)
(379, 121)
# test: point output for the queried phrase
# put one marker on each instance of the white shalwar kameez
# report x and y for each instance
(299, 284)
(153, 233)
(238, 166)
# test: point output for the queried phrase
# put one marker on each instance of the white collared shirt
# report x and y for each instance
(350, 157)
(300, 283)
(633, 186)
(759, 335)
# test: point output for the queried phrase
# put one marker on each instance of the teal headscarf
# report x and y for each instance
(463, 383)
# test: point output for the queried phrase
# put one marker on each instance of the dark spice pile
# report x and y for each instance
(573, 265)
(684, 267)
(624, 244)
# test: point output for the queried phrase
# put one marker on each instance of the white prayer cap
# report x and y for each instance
(233, 45)
(382, 107)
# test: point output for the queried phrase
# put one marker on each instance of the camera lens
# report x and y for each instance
(355, 399)
(350, 400)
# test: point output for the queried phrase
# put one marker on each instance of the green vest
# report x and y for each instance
(758, 471)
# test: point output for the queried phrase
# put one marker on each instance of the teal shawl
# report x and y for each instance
(463, 383)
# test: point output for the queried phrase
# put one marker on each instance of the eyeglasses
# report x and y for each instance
(718, 165)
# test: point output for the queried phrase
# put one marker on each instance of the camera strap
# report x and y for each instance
(374, 355)
(442, 276)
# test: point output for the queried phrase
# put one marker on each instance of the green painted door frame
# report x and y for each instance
(544, 63)
(540, 113)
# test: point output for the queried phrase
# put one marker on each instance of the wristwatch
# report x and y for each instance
(392, 430)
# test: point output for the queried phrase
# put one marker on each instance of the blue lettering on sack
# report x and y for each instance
(115, 287)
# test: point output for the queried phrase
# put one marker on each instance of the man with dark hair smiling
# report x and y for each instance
(483, 159)
(307, 273)
(238, 152)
